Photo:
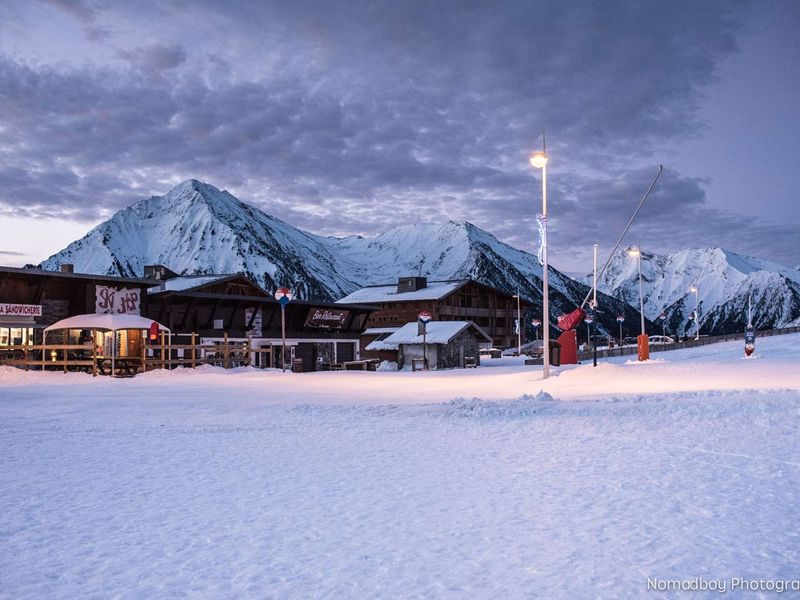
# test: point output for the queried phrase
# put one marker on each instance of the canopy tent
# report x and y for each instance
(105, 322)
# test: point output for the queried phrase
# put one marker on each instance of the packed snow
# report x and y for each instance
(477, 483)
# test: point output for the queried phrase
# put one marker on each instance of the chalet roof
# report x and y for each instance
(185, 283)
(438, 332)
(380, 330)
(435, 290)
(61, 274)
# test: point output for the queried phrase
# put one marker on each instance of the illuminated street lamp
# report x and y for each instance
(696, 314)
(539, 161)
(633, 251)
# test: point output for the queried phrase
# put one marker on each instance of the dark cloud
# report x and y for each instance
(87, 14)
(154, 60)
(354, 118)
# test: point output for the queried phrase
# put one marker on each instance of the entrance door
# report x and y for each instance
(345, 351)
(307, 353)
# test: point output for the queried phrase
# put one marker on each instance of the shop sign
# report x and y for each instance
(20, 310)
(117, 301)
(326, 318)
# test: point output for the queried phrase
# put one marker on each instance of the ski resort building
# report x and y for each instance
(492, 310)
(212, 307)
(32, 299)
(445, 345)
(318, 335)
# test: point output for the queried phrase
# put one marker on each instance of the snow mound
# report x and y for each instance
(649, 361)
(525, 406)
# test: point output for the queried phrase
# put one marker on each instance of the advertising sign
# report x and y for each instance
(284, 296)
(326, 318)
(749, 340)
(20, 310)
(116, 301)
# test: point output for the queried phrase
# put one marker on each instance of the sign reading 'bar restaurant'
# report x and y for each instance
(326, 318)
(20, 310)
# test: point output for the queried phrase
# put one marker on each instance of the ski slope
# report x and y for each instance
(477, 483)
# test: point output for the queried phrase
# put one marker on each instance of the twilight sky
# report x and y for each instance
(353, 117)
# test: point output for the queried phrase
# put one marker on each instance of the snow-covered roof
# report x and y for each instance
(379, 330)
(183, 283)
(438, 332)
(380, 345)
(435, 290)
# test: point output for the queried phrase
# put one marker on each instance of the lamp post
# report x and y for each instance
(637, 252)
(539, 161)
(519, 327)
(696, 314)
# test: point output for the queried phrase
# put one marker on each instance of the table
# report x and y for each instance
(125, 367)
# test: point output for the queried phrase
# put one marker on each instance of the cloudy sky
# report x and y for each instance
(353, 117)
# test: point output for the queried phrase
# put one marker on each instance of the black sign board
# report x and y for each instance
(326, 318)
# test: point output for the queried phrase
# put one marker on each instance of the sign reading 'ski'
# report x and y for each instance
(113, 300)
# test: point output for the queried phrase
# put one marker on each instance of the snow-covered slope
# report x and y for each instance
(724, 280)
(459, 250)
(197, 229)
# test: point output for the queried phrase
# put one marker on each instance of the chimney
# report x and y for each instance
(411, 284)
(67, 268)
(158, 272)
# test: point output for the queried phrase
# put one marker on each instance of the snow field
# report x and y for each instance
(459, 484)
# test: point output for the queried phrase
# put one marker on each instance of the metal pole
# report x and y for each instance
(594, 280)
(545, 285)
(641, 294)
(696, 316)
(425, 345)
(283, 338)
(519, 328)
(620, 334)
(628, 226)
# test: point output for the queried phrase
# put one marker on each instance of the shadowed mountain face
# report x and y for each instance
(724, 282)
(197, 229)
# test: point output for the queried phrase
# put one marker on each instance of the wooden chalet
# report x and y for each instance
(213, 307)
(320, 334)
(493, 310)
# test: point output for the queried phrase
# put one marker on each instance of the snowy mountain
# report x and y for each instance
(724, 281)
(197, 229)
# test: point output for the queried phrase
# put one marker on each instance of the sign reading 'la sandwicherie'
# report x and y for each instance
(20, 310)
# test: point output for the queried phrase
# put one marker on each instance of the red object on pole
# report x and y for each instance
(153, 332)
(570, 320)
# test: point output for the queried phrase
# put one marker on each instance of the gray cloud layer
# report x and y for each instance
(350, 118)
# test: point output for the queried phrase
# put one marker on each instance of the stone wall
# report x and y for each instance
(465, 344)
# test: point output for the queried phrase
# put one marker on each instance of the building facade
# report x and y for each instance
(493, 310)
(212, 307)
